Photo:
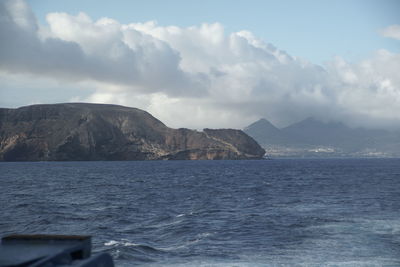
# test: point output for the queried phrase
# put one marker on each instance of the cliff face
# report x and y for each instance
(78, 131)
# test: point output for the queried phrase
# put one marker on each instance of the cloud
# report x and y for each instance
(368, 93)
(198, 76)
(75, 48)
(392, 31)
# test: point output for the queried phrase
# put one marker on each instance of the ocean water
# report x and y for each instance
(214, 213)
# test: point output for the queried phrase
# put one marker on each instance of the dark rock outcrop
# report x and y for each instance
(79, 131)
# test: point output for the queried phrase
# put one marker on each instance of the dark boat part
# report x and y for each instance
(49, 251)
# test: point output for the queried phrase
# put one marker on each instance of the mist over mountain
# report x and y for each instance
(312, 137)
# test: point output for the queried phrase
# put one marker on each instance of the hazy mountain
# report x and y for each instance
(312, 136)
(78, 131)
(263, 131)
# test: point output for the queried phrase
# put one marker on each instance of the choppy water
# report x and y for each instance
(214, 213)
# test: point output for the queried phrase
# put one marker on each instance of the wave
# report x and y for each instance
(126, 243)
(134, 252)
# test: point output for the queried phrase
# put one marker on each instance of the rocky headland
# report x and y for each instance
(80, 131)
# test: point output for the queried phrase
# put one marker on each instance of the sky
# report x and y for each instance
(216, 64)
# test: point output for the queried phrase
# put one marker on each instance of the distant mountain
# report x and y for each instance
(79, 131)
(312, 137)
(264, 131)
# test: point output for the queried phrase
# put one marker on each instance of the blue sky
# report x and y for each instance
(316, 30)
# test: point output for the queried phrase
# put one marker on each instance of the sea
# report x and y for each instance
(279, 212)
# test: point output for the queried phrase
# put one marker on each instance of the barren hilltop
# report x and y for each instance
(80, 131)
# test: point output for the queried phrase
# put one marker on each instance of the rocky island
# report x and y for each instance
(81, 131)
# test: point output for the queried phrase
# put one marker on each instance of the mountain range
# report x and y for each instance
(81, 131)
(315, 138)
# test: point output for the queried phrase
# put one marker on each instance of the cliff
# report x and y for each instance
(79, 131)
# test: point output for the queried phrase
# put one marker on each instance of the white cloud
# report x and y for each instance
(197, 76)
(392, 31)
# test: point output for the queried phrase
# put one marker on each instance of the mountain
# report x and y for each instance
(312, 137)
(334, 134)
(79, 131)
(263, 131)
